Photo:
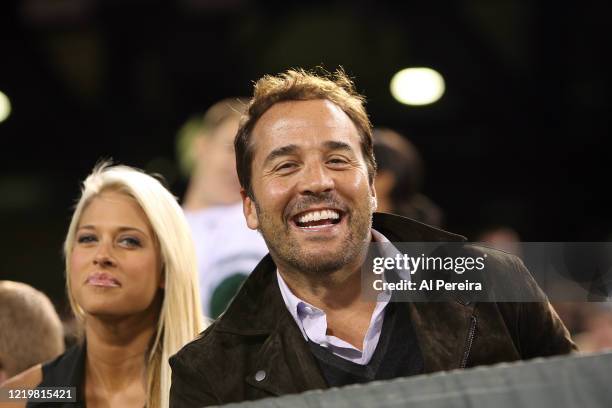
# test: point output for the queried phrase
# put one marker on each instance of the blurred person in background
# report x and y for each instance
(399, 179)
(30, 329)
(590, 323)
(227, 250)
(132, 283)
(596, 332)
(573, 315)
(501, 237)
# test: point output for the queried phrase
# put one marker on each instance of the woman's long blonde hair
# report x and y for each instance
(180, 319)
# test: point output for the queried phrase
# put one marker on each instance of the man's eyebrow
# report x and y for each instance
(281, 151)
(291, 149)
(335, 145)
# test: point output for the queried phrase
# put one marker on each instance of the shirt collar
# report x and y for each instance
(292, 302)
(298, 307)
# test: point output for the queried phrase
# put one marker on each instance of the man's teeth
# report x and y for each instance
(319, 215)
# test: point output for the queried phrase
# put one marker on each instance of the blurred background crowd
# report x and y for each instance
(511, 145)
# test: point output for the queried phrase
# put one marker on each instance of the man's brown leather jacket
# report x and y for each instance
(256, 350)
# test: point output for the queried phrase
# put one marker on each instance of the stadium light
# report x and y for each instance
(417, 86)
(5, 107)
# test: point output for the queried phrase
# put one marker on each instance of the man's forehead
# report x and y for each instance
(316, 113)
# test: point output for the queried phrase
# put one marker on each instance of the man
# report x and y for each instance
(305, 163)
(30, 329)
(227, 250)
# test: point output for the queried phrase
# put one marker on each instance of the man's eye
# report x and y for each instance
(86, 239)
(130, 242)
(337, 161)
(286, 166)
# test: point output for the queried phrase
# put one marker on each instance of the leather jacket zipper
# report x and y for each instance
(469, 341)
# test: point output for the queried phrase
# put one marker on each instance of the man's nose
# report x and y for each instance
(104, 255)
(316, 178)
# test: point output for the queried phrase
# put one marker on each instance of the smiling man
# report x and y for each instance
(305, 163)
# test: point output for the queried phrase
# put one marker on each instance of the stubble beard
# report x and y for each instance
(286, 250)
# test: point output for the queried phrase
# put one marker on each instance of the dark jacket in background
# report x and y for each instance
(255, 350)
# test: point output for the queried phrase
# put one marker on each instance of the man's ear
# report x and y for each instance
(249, 210)
(373, 199)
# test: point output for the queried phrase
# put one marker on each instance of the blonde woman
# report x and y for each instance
(132, 283)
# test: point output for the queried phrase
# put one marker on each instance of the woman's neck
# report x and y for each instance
(117, 353)
(117, 348)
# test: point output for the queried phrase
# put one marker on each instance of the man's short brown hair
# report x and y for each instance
(301, 85)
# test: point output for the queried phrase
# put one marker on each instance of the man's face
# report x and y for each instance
(312, 200)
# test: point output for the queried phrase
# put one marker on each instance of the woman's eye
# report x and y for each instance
(130, 241)
(86, 239)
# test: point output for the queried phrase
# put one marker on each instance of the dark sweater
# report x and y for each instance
(397, 353)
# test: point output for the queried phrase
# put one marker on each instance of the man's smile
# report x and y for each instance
(317, 217)
(318, 220)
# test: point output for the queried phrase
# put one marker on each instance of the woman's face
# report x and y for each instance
(115, 267)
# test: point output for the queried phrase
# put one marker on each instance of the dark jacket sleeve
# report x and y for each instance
(541, 331)
(189, 387)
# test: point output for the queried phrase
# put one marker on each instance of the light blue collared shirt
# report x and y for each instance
(312, 321)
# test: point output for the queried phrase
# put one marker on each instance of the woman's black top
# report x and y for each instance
(67, 370)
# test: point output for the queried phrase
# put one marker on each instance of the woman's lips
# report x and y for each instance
(102, 279)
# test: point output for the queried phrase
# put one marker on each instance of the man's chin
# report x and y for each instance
(317, 265)
(319, 240)
(315, 248)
